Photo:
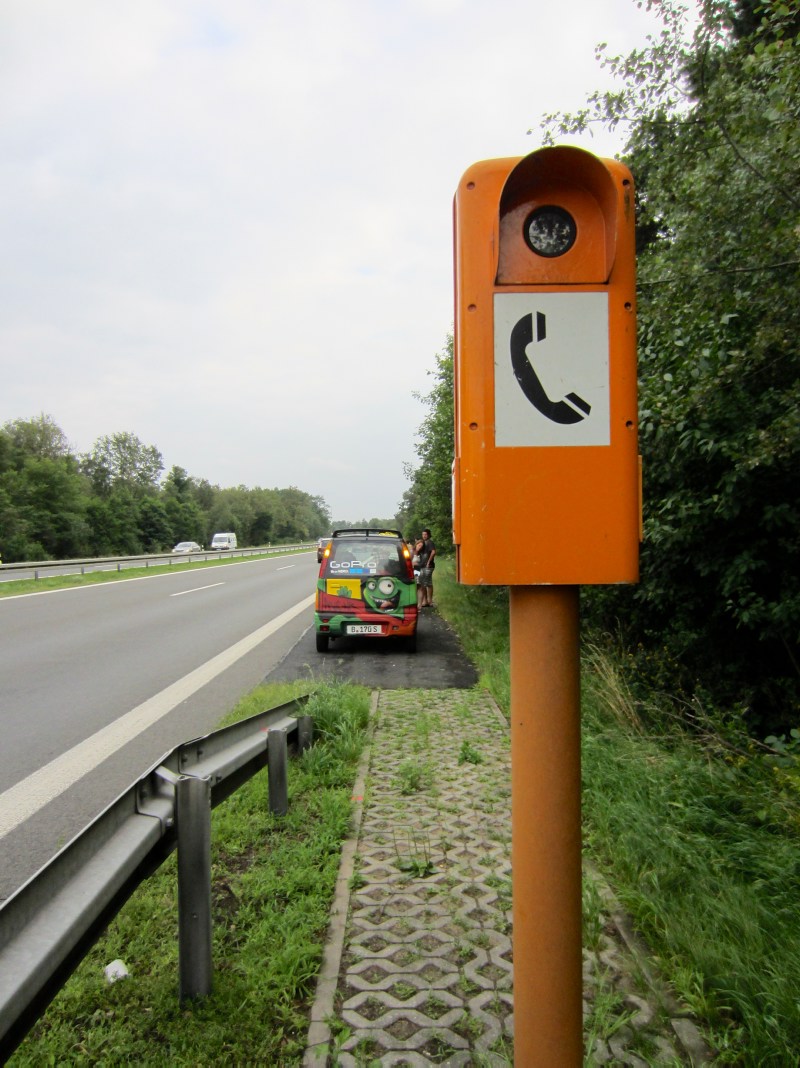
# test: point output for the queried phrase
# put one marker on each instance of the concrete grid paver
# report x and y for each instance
(425, 975)
(420, 955)
(433, 885)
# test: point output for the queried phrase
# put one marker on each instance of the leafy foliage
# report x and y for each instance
(714, 146)
(56, 505)
(428, 501)
(122, 459)
(712, 105)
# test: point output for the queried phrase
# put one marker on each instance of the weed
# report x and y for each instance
(424, 723)
(467, 987)
(464, 713)
(403, 991)
(414, 854)
(365, 1053)
(340, 1033)
(468, 1026)
(593, 916)
(502, 1048)
(338, 1028)
(469, 754)
(435, 1007)
(463, 951)
(607, 1015)
(412, 776)
(372, 1008)
(437, 1048)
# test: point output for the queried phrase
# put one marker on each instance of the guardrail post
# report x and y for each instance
(193, 811)
(276, 770)
(305, 733)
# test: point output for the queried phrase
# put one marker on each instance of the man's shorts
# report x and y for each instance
(425, 577)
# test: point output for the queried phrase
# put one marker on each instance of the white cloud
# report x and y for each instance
(228, 225)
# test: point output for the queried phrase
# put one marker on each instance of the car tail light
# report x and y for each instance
(409, 565)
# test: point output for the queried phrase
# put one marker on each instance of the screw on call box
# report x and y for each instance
(546, 475)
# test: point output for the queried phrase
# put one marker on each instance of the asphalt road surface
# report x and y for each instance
(439, 662)
(97, 683)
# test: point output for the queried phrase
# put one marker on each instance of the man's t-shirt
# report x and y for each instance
(424, 557)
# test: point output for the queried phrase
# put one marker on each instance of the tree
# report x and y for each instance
(714, 147)
(303, 516)
(123, 458)
(40, 437)
(185, 516)
(178, 483)
(155, 529)
(109, 502)
(42, 493)
(428, 500)
(114, 522)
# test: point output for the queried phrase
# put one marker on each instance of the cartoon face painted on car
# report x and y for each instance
(366, 588)
(382, 594)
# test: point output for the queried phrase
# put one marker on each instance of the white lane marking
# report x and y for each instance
(286, 568)
(197, 589)
(140, 578)
(27, 797)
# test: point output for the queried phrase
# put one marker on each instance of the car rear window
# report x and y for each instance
(365, 556)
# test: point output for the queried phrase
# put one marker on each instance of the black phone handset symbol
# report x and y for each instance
(559, 411)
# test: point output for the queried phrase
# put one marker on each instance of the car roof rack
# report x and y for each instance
(369, 532)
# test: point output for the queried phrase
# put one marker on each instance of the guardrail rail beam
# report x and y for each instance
(50, 923)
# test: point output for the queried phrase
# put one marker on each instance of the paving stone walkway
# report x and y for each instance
(418, 967)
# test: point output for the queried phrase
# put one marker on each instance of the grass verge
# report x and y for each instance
(479, 614)
(703, 848)
(272, 885)
(698, 833)
(699, 836)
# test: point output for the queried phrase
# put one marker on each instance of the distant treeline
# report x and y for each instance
(112, 501)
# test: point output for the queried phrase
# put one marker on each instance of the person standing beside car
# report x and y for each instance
(416, 549)
(427, 556)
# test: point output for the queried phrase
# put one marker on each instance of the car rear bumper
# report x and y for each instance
(336, 626)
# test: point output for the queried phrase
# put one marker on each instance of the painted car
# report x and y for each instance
(366, 588)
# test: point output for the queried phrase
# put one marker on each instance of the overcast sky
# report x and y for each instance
(225, 225)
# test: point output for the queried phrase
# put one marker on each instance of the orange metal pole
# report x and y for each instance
(546, 826)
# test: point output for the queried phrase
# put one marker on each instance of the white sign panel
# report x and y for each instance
(551, 369)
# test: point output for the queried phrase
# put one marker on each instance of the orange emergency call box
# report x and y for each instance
(546, 482)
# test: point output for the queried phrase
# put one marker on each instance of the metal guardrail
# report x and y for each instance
(94, 563)
(49, 924)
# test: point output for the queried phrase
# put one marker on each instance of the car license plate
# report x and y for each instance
(365, 628)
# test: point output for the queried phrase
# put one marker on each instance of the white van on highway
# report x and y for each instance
(223, 541)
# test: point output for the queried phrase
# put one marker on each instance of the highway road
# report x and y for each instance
(98, 682)
(56, 569)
